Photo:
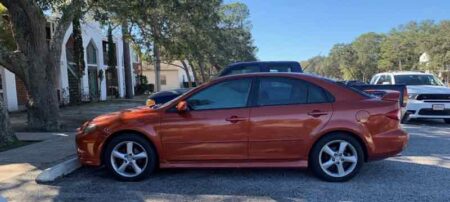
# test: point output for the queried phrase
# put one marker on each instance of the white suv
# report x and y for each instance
(428, 96)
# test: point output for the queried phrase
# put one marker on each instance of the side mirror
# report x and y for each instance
(386, 83)
(182, 106)
(150, 103)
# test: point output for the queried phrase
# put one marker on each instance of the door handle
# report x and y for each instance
(317, 113)
(235, 119)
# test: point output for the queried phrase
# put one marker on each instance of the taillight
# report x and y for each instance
(395, 114)
(405, 97)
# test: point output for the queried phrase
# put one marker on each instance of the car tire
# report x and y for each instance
(405, 118)
(130, 157)
(447, 121)
(336, 164)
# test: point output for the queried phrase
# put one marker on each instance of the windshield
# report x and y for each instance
(418, 79)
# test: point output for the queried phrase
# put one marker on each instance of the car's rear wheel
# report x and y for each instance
(336, 157)
(130, 157)
(447, 121)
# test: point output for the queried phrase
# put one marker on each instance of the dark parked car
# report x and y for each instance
(236, 68)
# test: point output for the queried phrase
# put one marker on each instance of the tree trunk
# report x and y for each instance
(43, 107)
(157, 55)
(127, 62)
(202, 71)
(6, 134)
(194, 73)
(186, 69)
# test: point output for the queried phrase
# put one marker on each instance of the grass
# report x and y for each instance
(15, 144)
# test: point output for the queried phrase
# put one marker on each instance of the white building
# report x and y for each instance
(98, 81)
(172, 75)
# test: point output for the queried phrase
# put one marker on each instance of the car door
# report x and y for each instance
(216, 126)
(286, 112)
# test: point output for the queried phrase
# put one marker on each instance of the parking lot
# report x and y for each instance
(421, 174)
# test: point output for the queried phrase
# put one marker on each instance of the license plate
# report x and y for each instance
(438, 107)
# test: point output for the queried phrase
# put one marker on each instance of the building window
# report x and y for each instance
(91, 54)
(163, 80)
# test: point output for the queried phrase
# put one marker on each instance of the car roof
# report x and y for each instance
(262, 62)
(262, 74)
(405, 73)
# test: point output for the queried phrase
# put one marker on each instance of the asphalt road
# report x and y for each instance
(421, 174)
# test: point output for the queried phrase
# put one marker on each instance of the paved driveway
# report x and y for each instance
(421, 174)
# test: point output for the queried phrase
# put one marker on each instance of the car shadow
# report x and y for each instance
(392, 179)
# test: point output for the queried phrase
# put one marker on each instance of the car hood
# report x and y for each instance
(428, 89)
(126, 115)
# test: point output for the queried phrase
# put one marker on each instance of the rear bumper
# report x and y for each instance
(420, 109)
(389, 144)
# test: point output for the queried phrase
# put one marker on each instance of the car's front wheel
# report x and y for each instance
(130, 157)
(336, 157)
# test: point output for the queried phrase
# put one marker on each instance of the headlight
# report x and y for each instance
(412, 96)
(91, 127)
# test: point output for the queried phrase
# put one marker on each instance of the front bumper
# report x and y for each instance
(389, 144)
(421, 109)
(89, 148)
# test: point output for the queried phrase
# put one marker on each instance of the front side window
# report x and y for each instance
(283, 91)
(224, 95)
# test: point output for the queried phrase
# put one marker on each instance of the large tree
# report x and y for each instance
(367, 49)
(36, 58)
(6, 134)
(7, 42)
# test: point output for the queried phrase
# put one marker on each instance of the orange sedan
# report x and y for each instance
(250, 120)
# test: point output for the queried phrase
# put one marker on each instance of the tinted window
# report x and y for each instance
(316, 94)
(241, 70)
(282, 91)
(227, 94)
(417, 80)
(279, 68)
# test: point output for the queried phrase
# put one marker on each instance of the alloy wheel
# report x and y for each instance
(338, 158)
(129, 159)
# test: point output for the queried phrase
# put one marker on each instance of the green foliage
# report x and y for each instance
(206, 33)
(6, 37)
(399, 49)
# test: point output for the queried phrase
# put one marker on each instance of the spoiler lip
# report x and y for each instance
(390, 95)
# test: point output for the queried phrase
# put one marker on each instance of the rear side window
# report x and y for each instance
(284, 91)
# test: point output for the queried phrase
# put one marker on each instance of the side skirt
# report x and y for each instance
(235, 164)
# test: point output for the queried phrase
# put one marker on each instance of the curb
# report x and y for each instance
(59, 170)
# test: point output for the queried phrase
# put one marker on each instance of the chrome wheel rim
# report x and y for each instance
(129, 159)
(338, 158)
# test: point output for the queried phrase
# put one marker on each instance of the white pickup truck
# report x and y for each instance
(428, 97)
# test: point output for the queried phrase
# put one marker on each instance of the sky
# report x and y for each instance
(300, 29)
